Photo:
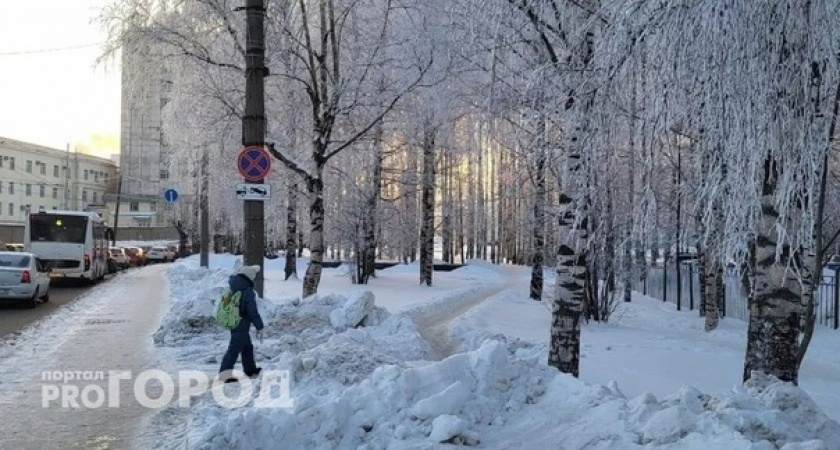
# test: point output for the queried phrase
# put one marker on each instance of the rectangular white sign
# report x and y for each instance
(246, 191)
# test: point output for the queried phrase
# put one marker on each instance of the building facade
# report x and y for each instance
(34, 177)
(144, 153)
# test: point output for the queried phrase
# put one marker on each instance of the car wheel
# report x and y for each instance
(46, 297)
(32, 302)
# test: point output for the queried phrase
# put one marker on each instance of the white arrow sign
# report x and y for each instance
(246, 191)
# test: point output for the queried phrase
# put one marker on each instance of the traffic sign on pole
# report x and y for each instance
(253, 163)
(250, 191)
(170, 195)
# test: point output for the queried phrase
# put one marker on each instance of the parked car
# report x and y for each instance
(14, 247)
(120, 258)
(136, 256)
(172, 252)
(24, 277)
(157, 254)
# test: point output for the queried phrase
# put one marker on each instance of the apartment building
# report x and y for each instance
(34, 177)
(144, 152)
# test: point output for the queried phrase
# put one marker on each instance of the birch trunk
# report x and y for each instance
(368, 258)
(539, 209)
(291, 229)
(427, 233)
(315, 187)
(775, 311)
(564, 349)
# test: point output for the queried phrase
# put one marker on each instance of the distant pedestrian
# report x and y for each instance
(240, 339)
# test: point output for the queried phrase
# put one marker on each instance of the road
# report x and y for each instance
(14, 316)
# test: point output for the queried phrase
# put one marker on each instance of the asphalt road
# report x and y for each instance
(14, 315)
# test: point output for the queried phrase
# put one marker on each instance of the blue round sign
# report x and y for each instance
(170, 195)
(253, 163)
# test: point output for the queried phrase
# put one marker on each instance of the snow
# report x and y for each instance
(363, 376)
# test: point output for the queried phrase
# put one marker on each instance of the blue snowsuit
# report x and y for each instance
(240, 340)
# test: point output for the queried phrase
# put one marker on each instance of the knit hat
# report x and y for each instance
(250, 272)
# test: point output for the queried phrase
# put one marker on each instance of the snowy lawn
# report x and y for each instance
(649, 347)
(374, 385)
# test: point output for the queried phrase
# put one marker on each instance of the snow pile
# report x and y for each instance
(477, 269)
(361, 380)
(291, 325)
(491, 398)
(193, 296)
(440, 402)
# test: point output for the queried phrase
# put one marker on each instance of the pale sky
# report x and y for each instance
(53, 98)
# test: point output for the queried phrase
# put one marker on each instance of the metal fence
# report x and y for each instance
(662, 284)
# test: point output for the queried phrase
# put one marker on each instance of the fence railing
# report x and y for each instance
(661, 283)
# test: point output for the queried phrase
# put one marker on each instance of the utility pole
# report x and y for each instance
(67, 178)
(203, 211)
(254, 128)
(119, 200)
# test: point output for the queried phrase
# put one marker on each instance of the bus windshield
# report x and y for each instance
(57, 228)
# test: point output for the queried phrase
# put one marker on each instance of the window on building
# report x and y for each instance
(84, 195)
(11, 187)
(95, 196)
(12, 163)
(28, 166)
(28, 189)
(11, 209)
(134, 206)
(96, 177)
(1, 187)
(55, 208)
(55, 192)
(43, 168)
(164, 174)
(55, 171)
(42, 189)
(1, 161)
(153, 206)
(86, 174)
(1, 209)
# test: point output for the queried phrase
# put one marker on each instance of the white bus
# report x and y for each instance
(72, 243)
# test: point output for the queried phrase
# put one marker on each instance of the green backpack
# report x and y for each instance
(227, 311)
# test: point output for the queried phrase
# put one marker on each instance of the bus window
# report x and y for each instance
(57, 228)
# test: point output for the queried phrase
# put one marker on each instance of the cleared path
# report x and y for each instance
(435, 323)
(110, 329)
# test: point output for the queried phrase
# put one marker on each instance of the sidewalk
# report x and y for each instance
(112, 332)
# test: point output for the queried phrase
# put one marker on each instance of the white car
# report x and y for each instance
(120, 258)
(157, 254)
(24, 277)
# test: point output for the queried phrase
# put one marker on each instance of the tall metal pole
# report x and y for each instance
(254, 128)
(117, 210)
(67, 178)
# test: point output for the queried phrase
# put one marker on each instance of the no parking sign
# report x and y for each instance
(253, 163)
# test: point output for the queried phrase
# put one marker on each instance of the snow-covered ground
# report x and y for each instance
(367, 375)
